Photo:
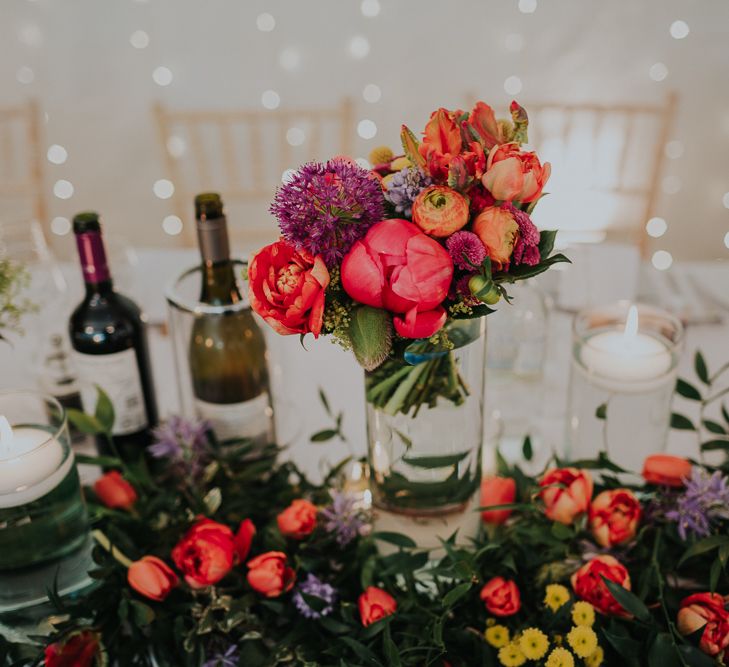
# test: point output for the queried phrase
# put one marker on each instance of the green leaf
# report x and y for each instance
(714, 445)
(627, 647)
(398, 539)
(103, 461)
(700, 368)
(410, 145)
(370, 331)
(663, 653)
(703, 546)
(628, 601)
(392, 655)
(324, 401)
(84, 423)
(714, 427)
(435, 461)
(104, 410)
(323, 436)
(213, 500)
(562, 532)
(456, 593)
(547, 238)
(601, 411)
(527, 450)
(714, 574)
(696, 657)
(143, 614)
(681, 423)
(687, 390)
(725, 413)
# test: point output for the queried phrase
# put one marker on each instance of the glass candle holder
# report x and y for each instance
(44, 535)
(623, 375)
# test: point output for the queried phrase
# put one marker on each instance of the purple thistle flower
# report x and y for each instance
(466, 250)
(177, 436)
(404, 187)
(315, 587)
(704, 500)
(325, 208)
(227, 659)
(526, 249)
(342, 518)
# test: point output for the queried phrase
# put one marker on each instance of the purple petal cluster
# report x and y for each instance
(526, 249)
(177, 436)
(315, 587)
(404, 187)
(342, 518)
(325, 208)
(704, 500)
(466, 250)
(227, 659)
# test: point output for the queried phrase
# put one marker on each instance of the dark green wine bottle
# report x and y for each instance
(227, 349)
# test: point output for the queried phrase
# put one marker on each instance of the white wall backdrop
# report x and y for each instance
(97, 88)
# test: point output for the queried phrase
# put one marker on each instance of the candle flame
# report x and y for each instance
(631, 324)
(6, 437)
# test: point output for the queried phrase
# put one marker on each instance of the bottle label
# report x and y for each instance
(118, 375)
(249, 419)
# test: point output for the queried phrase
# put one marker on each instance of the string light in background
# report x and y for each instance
(25, 75)
(725, 200)
(679, 29)
(674, 149)
(270, 99)
(265, 22)
(176, 146)
(512, 85)
(658, 72)
(370, 8)
(57, 154)
(656, 227)
(287, 175)
(671, 185)
(514, 42)
(63, 189)
(60, 226)
(359, 47)
(662, 260)
(726, 239)
(371, 93)
(30, 35)
(163, 188)
(527, 6)
(366, 129)
(139, 39)
(363, 162)
(295, 136)
(162, 76)
(289, 59)
(172, 225)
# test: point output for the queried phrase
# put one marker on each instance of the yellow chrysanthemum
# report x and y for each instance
(583, 640)
(560, 657)
(511, 656)
(583, 613)
(555, 596)
(381, 155)
(497, 635)
(595, 660)
(490, 622)
(533, 643)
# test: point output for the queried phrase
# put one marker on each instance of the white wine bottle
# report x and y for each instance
(227, 349)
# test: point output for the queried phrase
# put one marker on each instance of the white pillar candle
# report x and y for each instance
(31, 464)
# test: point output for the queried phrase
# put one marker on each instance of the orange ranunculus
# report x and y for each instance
(80, 649)
(298, 520)
(375, 604)
(151, 577)
(614, 517)
(666, 470)
(398, 268)
(286, 288)
(515, 175)
(270, 574)
(114, 491)
(501, 597)
(498, 230)
(243, 539)
(206, 553)
(588, 584)
(440, 211)
(497, 491)
(566, 493)
(705, 610)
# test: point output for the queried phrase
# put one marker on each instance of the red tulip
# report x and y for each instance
(151, 577)
(515, 175)
(243, 539)
(375, 604)
(497, 491)
(114, 491)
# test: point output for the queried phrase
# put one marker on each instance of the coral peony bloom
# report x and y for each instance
(114, 491)
(497, 491)
(666, 470)
(298, 520)
(501, 597)
(79, 649)
(286, 288)
(375, 604)
(566, 493)
(614, 517)
(206, 553)
(588, 584)
(270, 575)
(440, 211)
(515, 175)
(243, 539)
(397, 267)
(498, 230)
(151, 577)
(705, 610)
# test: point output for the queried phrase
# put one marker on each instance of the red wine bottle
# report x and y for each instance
(109, 339)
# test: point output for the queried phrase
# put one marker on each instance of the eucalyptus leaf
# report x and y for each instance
(681, 423)
(700, 367)
(687, 390)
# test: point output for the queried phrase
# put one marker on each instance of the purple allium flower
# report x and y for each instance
(404, 187)
(466, 250)
(705, 499)
(178, 435)
(526, 249)
(227, 659)
(314, 586)
(325, 208)
(342, 518)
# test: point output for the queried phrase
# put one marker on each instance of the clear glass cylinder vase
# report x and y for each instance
(425, 422)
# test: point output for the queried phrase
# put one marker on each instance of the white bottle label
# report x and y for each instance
(118, 375)
(249, 419)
